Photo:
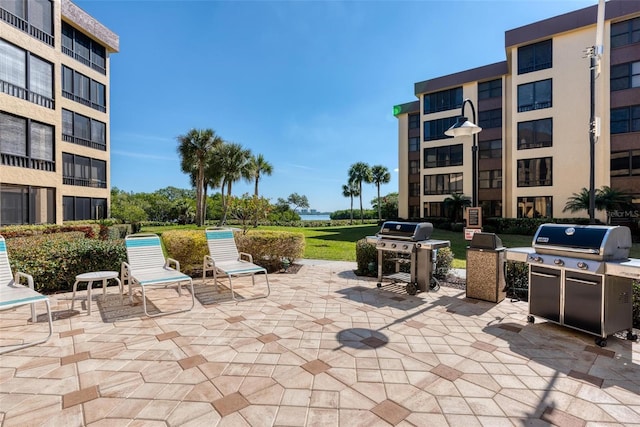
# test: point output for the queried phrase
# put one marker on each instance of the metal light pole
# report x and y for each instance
(463, 127)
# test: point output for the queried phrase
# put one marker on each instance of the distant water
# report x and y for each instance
(324, 217)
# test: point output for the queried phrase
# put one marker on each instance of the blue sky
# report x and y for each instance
(308, 84)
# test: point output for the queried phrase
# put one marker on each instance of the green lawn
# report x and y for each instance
(339, 243)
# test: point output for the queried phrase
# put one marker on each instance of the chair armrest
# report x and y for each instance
(125, 270)
(248, 257)
(29, 278)
(174, 262)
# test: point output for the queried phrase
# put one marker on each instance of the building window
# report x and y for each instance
(625, 163)
(82, 89)
(34, 17)
(534, 172)
(450, 155)
(414, 121)
(25, 76)
(26, 143)
(535, 134)
(434, 129)
(534, 96)
(414, 144)
(625, 76)
(490, 118)
(491, 208)
(625, 32)
(490, 149)
(21, 204)
(433, 209)
(84, 171)
(535, 207)
(442, 101)
(85, 50)
(490, 179)
(490, 89)
(534, 57)
(83, 130)
(414, 167)
(414, 189)
(625, 119)
(448, 183)
(83, 208)
(414, 211)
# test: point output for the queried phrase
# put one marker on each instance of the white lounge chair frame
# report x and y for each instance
(147, 267)
(13, 294)
(225, 260)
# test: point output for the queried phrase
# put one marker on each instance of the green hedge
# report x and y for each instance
(187, 247)
(54, 260)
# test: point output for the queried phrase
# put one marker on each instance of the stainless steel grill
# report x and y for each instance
(581, 277)
(412, 249)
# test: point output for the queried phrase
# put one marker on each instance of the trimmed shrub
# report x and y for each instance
(636, 304)
(365, 254)
(188, 247)
(54, 260)
(269, 248)
(444, 259)
(517, 280)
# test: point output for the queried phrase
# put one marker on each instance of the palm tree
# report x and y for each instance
(194, 149)
(606, 198)
(380, 175)
(350, 190)
(259, 166)
(359, 172)
(231, 161)
(455, 204)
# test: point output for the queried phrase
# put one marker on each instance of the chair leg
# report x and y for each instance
(30, 344)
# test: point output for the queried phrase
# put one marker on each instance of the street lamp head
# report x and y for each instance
(463, 127)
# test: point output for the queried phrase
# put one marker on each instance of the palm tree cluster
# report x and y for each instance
(212, 162)
(606, 198)
(361, 172)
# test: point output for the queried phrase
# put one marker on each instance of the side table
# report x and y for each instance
(90, 278)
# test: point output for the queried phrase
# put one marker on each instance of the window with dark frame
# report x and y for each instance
(625, 163)
(84, 171)
(414, 211)
(26, 76)
(447, 183)
(414, 189)
(535, 207)
(625, 76)
(435, 129)
(414, 144)
(26, 143)
(27, 204)
(490, 118)
(490, 89)
(490, 149)
(34, 17)
(414, 121)
(83, 130)
(625, 32)
(449, 155)
(414, 167)
(534, 57)
(625, 119)
(535, 134)
(442, 101)
(83, 49)
(80, 88)
(534, 95)
(491, 208)
(433, 209)
(490, 179)
(535, 172)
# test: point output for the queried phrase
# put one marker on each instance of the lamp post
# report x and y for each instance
(463, 127)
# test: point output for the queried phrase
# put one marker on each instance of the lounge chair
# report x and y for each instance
(147, 267)
(225, 260)
(13, 294)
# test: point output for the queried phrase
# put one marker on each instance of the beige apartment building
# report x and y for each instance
(533, 152)
(54, 113)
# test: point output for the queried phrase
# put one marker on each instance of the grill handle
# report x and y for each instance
(584, 282)
(535, 273)
(566, 249)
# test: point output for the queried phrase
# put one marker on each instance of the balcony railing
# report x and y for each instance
(84, 101)
(22, 93)
(27, 163)
(84, 182)
(69, 52)
(84, 142)
(23, 25)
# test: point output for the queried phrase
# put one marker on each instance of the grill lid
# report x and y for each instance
(598, 242)
(414, 231)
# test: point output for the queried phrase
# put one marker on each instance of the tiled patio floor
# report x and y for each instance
(325, 349)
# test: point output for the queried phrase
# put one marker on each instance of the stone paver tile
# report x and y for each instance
(158, 409)
(600, 351)
(591, 379)
(561, 418)
(291, 416)
(72, 333)
(73, 358)
(390, 411)
(361, 418)
(324, 321)
(315, 367)
(463, 420)
(80, 396)
(373, 342)
(167, 336)
(296, 397)
(447, 372)
(480, 345)
(322, 417)
(267, 338)
(230, 403)
(621, 413)
(484, 406)
(259, 415)
(235, 319)
(187, 411)
(191, 362)
(454, 405)
(324, 399)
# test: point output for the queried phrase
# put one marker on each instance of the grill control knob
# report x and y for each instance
(558, 261)
(393, 245)
(583, 265)
(535, 258)
(405, 247)
(382, 244)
